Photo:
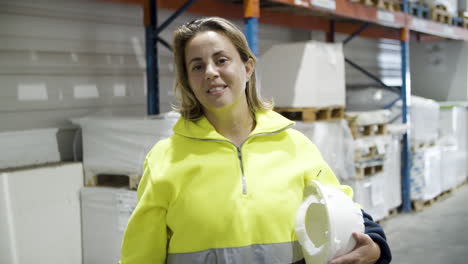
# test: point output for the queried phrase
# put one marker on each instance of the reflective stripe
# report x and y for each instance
(279, 253)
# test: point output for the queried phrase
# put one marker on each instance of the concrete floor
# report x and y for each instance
(438, 234)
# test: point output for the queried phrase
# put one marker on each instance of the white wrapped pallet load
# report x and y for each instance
(452, 123)
(392, 172)
(425, 174)
(312, 74)
(105, 213)
(28, 147)
(118, 145)
(40, 220)
(369, 193)
(335, 142)
(424, 120)
(452, 167)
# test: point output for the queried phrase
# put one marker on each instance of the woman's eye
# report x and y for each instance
(222, 60)
(196, 67)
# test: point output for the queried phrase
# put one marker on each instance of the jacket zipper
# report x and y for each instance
(239, 152)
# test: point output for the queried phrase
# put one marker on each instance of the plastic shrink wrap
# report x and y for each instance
(370, 194)
(424, 119)
(29, 147)
(118, 145)
(453, 142)
(105, 213)
(335, 142)
(392, 171)
(425, 173)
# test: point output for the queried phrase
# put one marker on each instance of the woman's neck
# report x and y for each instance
(234, 124)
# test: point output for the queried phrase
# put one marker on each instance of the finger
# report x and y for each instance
(345, 259)
(361, 238)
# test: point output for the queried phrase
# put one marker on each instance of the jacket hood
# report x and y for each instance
(266, 122)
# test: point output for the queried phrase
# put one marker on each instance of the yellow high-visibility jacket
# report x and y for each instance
(202, 199)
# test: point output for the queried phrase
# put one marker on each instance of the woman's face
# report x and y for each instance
(215, 71)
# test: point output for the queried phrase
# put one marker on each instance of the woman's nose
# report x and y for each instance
(211, 71)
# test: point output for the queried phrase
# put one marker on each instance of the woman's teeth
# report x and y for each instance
(216, 89)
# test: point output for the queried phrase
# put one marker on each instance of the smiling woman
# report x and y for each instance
(226, 186)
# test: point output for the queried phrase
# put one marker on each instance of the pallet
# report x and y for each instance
(419, 10)
(391, 213)
(419, 205)
(364, 2)
(390, 5)
(460, 22)
(130, 181)
(422, 145)
(312, 114)
(368, 130)
(440, 14)
(362, 172)
(372, 154)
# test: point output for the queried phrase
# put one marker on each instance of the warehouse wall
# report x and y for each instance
(439, 70)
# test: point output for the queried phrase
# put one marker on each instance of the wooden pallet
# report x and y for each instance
(368, 130)
(313, 113)
(130, 181)
(371, 154)
(419, 10)
(391, 213)
(440, 14)
(422, 145)
(364, 2)
(362, 172)
(419, 205)
(390, 5)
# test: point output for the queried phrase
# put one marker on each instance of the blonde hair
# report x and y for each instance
(189, 107)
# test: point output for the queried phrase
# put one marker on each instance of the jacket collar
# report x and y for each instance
(267, 122)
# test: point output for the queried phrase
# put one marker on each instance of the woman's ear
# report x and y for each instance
(249, 67)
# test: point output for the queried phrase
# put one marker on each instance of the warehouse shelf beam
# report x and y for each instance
(406, 102)
(372, 76)
(331, 32)
(356, 33)
(174, 16)
(251, 15)
(164, 43)
(152, 70)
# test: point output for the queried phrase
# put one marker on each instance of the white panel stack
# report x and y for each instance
(392, 171)
(29, 147)
(424, 120)
(453, 140)
(425, 174)
(40, 215)
(335, 142)
(312, 74)
(370, 194)
(117, 145)
(106, 212)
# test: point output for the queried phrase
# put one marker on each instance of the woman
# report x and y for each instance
(225, 187)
